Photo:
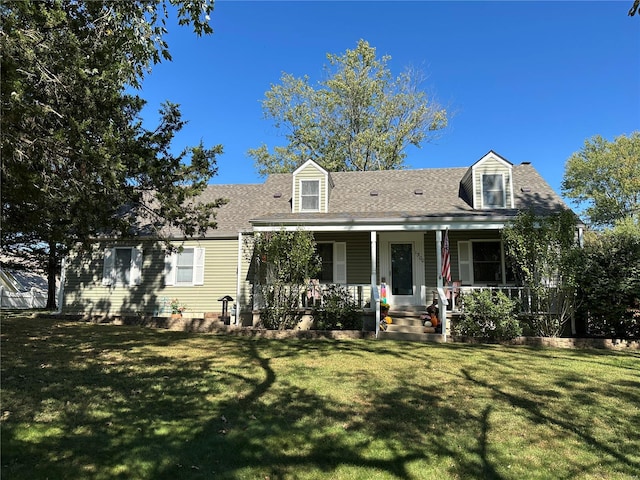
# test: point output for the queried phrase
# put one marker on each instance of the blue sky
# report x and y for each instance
(530, 80)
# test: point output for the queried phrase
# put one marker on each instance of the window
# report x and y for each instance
(334, 262)
(483, 262)
(325, 250)
(493, 195)
(185, 268)
(121, 266)
(487, 262)
(310, 195)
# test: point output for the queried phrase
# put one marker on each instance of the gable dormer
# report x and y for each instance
(489, 182)
(311, 188)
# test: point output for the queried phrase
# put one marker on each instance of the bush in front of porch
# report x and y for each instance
(489, 315)
(286, 260)
(338, 310)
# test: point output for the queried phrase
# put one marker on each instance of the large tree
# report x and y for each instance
(359, 118)
(605, 176)
(76, 159)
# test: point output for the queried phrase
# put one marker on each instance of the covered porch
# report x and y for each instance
(401, 264)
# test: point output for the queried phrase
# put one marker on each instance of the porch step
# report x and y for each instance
(411, 337)
(408, 326)
(406, 320)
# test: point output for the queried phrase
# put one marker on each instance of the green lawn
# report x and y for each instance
(104, 402)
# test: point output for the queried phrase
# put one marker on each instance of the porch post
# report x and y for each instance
(442, 307)
(238, 276)
(375, 300)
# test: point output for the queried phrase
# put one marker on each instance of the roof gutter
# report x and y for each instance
(386, 223)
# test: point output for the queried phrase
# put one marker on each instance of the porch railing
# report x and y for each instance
(528, 301)
(312, 295)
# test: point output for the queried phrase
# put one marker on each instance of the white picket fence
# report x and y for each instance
(34, 298)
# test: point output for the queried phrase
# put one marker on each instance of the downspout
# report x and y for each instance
(574, 330)
(61, 287)
(238, 276)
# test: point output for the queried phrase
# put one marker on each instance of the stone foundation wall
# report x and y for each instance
(559, 342)
(212, 324)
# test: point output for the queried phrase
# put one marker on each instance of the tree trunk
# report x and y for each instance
(52, 271)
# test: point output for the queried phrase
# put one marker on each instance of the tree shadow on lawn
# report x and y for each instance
(100, 402)
(620, 457)
(296, 430)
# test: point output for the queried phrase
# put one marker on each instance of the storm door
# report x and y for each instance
(402, 267)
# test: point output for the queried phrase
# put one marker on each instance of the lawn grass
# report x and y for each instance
(104, 402)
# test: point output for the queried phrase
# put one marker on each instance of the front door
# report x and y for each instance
(402, 267)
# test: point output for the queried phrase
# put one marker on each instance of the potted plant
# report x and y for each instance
(177, 308)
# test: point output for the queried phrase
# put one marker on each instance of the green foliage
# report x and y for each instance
(489, 315)
(76, 160)
(606, 176)
(610, 281)
(544, 253)
(359, 118)
(541, 249)
(550, 311)
(339, 311)
(286, 260)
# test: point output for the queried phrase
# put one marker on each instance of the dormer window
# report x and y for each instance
(310, 195)
(488, 183)
(311, 189)
(493, 191)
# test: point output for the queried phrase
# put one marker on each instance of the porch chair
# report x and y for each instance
(314, 294)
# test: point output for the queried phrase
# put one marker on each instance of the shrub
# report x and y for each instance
(280, 311)
(489, 315)
(338, 311)
(284, 261)
(609, 287)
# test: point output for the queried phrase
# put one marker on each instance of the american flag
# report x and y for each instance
(446, 259)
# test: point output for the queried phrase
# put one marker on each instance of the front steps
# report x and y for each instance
(408, 326)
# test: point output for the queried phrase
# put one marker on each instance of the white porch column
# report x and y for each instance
(442, 298)
(375, 299)
(238, 277)
(439, 283)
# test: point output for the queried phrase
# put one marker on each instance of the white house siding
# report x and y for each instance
(85, 294)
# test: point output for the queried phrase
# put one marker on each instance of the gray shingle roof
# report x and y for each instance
(396, 197)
